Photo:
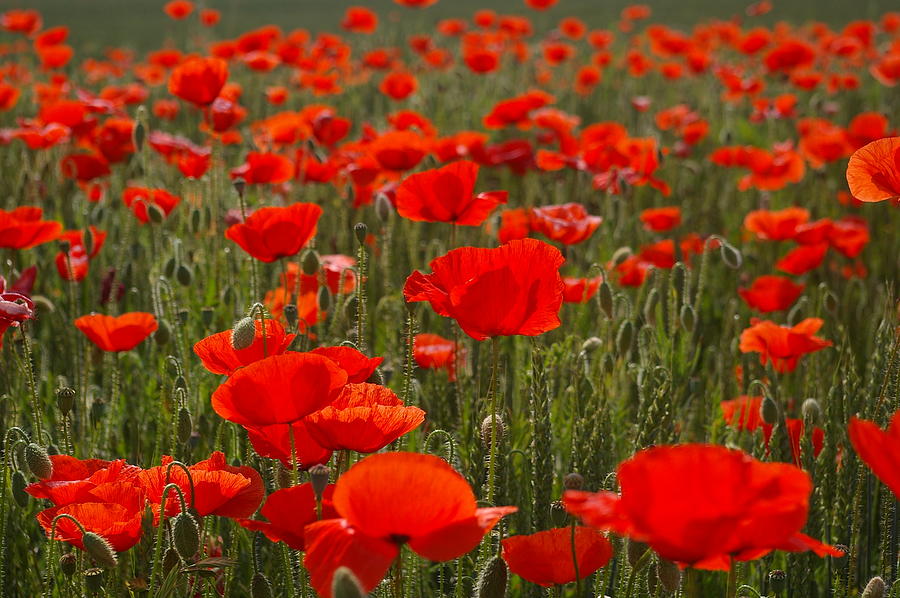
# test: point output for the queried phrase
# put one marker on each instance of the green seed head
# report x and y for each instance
(243, 334)
(100, 550)
(38, 461)
(492, 579)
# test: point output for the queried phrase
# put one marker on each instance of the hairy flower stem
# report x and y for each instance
(361, 299)
(32, 387)
(575, 563)
(492, 397)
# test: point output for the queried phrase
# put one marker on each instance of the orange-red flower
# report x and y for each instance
(567, 223)
(771, 293)
(776, 225)
(398, 85)
(432, 351)
(358, 366)
(513, 289)
(262, 167)
(388, 500)
(288, 511)
(72, 264)
(23, 228)
(879, 449)
(360, 19)
(728, 505)
(274, 441)
(873, 172)
(782, 345)
(580, 290)
(546, 558)
(178, 9)
(275, 232)
(199, 80)
(117, 333)
(139, 200)
(280, 389)
(446, 194)
(75, 480)
(21, 21)
(661, 219)
(220, 357)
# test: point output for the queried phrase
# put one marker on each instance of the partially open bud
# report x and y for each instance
(100, 550)
(812, 412)
(768, 411)
(876, 588)
(361, 231)
(573, 481)
(777, 581)
(492, 579)
(487, 430)
(669, 575)
(38, 461)
(344, 584)
(310, 262)
(260, 587)
(68, 563)
(318, 479)
(243, 334)
(591, 344)
(65, 399)
(93, 580)
(186, 535)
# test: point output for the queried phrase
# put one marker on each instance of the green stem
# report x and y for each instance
(492, 397)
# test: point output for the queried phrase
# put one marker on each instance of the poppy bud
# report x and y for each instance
(830, 301)
(310, 262)
(669, 575)
(558, 514)
(65, 399)
(605, 298)
(812, 412)
(634, 551)
(38, 461)
(155, 213)
(138, 135)
(492, 579)
(487, 430)
(206, 315)
(98, 410)
(876, 588)
(196, 220)
(344, 584)
(688, 317)
(100, 550)
(170, 560)
(243, 334)
(731, 255)
(186, 534)
(323, 298)
(650, 305)
(93, 580)
(184, 425)
(184, 275)
(777, 579)
(768, 411)
(361, 230)
(318, 479)
(383, 207)
(180, 383)
(290, 314)
(284, 476)
(591, 344)
(68, 563)
(573, 481)
(163, 333)
(624, 338)
(183, 315)
(609, 363)
(260, 587)
(88, 238)
(18, 488)
(239, 185)
(229, 295)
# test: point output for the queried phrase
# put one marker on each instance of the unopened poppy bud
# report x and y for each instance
(18, 488)
(323, 298)
(169, 267)
(185, 425)
(196, 220)
(492, 579)
(383, 207)
(688, 317)
(138, 135)
(573, 481)
(650, 305)
(768, 411)
(184, 275)
(344, 584)
(163, 333)
(65, 399)
(731, 255)
(591, 344)
(239, 185)
(291, 315)
(206, 315)
(318, 479)
(812, 412)
(93, 580)
(68, 563)
(361, 230)
(88, 238)
(777, 581)
(183, 315)
(558, 515)
(98, 411)
(310, 262)
(876, 588)
(155, 213)
(180, 383)
(634, 551)
(831, 303)
(170, 560)
(487, 430)
(260, 586)
(608, 363)
(100, 550)
(38, 461)
(669, 575)
(624, 338)
(243, 334)
(605, 298)
(186, 535)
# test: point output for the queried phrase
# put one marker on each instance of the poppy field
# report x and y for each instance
(498, 304)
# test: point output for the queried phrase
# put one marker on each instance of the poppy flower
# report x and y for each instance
(432, 351)
(782, 345)
(359, 368)
(398, 86)
(771, 293)
(849, 236)
(274, 442)
(364, 418)
(218, 355)
(728, 505)
(540, 4)
(516, 111)
(873, 172)
(661, 219)
(22, 228)
(513, 289)
(264, 168)
(546, 558)
(209, 17)
(879, 449)
(391, 499)
(744, 414)
(288, 511)
(568, 224)
(279, 389)
(74, 480)
(275, 232)
(139, 200)
(15, 304)
(84, 167)
(218, 488)
(199, 80)
(178, 9)
(447, 194)
(114, 512)
(9, 95)
(398, 150)
(360, 19)
(72, 264)
(21, 21)
(117, 333)
(778, 225)
(802, 259)
(580, 290)
(415, 3)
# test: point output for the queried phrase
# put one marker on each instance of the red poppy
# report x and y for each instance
(289, 511)
(220, 357)
(540, 4)
(360, 19)
(218, 488)
(73, 263)
(516, 111)
(777, 225)
(849, 236)
(139, 200)
(879, 449)
(398, 150)
(199, 80)
(728, 505)
(21, 21)
(398, 86)
(274, 442)
(567, 223)
(782, 345)
(209, 17)
(9, 95)
(580, 290)
(415, 3)
(280, 389)
(359, 368)
(23, 228)
(117, 333)
(178, 9)
(391, 499)
(771, 293)
(74, 480)
(114, 512)
(275, 232)
(546, 558)
(802, 259)
(15, 307)
(432, 351)
(873, 172)
(744, 414)
(446, 194)
(661, 219)
(513, 289)
(264, 168)
(795, 429)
